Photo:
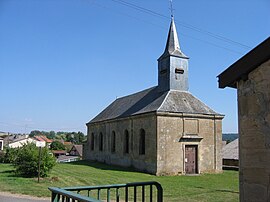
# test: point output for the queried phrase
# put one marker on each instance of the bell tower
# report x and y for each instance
(173, 64)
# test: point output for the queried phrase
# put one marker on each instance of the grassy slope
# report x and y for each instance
(215, 187)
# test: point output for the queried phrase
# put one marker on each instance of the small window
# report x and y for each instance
(92, 141)
(100, 142)
(142, 142)
(126, 142)
(113, 142)
(179, 70)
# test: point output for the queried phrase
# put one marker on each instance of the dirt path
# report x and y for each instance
(9, 197)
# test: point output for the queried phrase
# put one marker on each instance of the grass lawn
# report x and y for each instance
(207, 187)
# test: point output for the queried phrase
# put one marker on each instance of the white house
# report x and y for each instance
(20, 142)
(1, 143)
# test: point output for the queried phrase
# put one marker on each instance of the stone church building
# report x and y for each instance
(163, 130)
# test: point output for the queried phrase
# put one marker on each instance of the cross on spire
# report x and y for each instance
(171, 8)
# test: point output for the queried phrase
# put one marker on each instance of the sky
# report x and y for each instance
(63, 61)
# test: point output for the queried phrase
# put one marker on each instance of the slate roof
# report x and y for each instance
(151, 100)
(78, 148)
(172, 46)
(230, 151)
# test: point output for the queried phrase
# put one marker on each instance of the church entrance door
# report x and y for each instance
(191, 159)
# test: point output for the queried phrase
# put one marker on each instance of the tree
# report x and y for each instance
(56, 145)
(26, 161)
(35, 133)
(76, 138)
(51, 135)
(81, 137)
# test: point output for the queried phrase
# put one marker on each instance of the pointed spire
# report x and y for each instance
(172, 46)
(172, 64)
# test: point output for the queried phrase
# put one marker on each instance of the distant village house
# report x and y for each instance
(230, 155)
(76, 150)
(22, 140)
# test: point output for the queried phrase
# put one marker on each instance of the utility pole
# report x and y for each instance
(39, 159)
(40, 145)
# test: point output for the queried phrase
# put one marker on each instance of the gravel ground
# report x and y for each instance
(9, 197)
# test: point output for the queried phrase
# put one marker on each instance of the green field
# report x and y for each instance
(207, 187)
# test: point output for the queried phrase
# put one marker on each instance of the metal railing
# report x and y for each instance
(135, 191)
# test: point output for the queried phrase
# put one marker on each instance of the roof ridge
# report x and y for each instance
(168, 92)
(136, 93)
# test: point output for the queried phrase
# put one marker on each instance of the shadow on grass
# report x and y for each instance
(7, 171)
(103, 166)
(228, 191)
(10, 173)
(221, 190)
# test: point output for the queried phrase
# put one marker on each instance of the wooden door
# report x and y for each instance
(191, 159)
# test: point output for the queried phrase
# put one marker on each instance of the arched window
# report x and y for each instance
(142, 142)
(100, 142)
(126, 142)
(92, 142)
(113, 142)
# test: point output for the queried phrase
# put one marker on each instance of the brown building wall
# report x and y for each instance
(254, 131)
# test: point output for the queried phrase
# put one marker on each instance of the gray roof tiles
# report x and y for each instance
(184, 102)
(151, 100)
(173, 46)
(230, 150)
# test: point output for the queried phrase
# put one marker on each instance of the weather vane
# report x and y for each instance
(171, 8)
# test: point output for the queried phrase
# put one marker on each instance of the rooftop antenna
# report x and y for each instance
(171, 8)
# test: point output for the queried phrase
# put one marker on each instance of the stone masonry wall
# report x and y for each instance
(165, 152)
(171, 149)
(254, 130)
(133, 125)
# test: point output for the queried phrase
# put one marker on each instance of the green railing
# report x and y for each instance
(136, 191)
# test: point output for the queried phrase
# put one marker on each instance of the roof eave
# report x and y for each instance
(167, 54)
(241, 68)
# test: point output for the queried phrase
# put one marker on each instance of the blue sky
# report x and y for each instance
(63, 61)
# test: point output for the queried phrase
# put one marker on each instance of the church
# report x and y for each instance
(163, 130)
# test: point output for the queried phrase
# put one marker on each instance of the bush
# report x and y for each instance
(10, 155)
(2, 157)
(26, 161)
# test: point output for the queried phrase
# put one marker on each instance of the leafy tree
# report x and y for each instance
(35, 133)
(26, 161)
(81, 137)
(51, 135)
(56, 145)
(76, 138)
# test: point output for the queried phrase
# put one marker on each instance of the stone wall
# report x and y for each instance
(165, 149)
(133, 125)
(254, 131)
(203, 131)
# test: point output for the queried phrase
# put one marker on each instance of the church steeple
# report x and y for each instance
(173, 64)
(172, 46)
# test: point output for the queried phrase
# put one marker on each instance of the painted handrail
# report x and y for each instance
(67, 193)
